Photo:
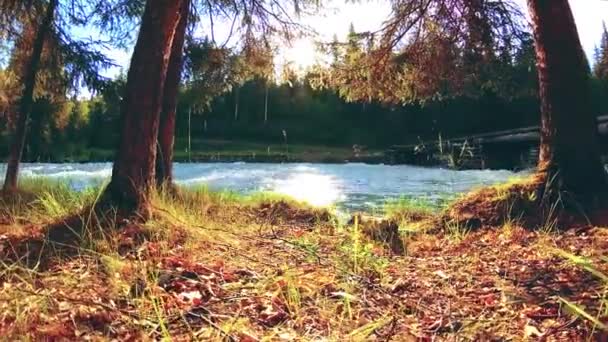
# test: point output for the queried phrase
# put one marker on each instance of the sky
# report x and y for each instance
(589, 16)
(369, 15)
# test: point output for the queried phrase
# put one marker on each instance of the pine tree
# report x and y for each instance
(30, 73)
(42, 24)
(601, 57)
(133, 173)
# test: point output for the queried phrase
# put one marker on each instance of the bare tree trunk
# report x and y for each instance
(133, 174)
(27, 99)
(166, 133)
(236, 103)
(266, 102)
(569, 152)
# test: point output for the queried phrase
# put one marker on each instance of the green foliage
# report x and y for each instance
(423, 53)
(309, 117)
(209, 72)
(72, 61)
(343, 104)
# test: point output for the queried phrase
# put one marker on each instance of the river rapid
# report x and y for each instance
(345, 186)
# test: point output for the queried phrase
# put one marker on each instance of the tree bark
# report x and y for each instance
(133, 174)
(570, 161)
(166, 133)
(27, 99)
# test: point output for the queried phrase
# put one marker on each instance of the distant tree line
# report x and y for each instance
(65, 128)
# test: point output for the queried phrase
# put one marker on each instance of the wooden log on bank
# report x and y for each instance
(521, 140)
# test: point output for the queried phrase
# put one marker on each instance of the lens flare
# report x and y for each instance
(315, 189)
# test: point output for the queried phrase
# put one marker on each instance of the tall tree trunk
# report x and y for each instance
(27, 99)
(236, 103)
(569, 152)
(166, 133)
(266, 102)
(133, 174)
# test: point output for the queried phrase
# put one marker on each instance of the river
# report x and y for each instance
(347, 186)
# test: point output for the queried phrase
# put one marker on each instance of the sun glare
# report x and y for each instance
(316, 189)
(302, 54)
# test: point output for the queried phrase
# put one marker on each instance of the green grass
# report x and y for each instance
(414, 215)
(410, 204)
(197, 194)
(54, 193)
(456, 232)
(358, 253)
(42, 199)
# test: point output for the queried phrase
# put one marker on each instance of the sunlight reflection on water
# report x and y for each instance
(316, 189)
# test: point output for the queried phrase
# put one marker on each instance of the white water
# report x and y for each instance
(352, 186)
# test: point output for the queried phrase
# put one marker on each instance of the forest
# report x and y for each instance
(135, 206)
(77, 129)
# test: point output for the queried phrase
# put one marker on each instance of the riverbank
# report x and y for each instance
(217, 266)
(214, 150)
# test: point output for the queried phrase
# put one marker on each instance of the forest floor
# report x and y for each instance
(212, 266)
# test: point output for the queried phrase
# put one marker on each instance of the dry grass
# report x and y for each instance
(219, 267)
